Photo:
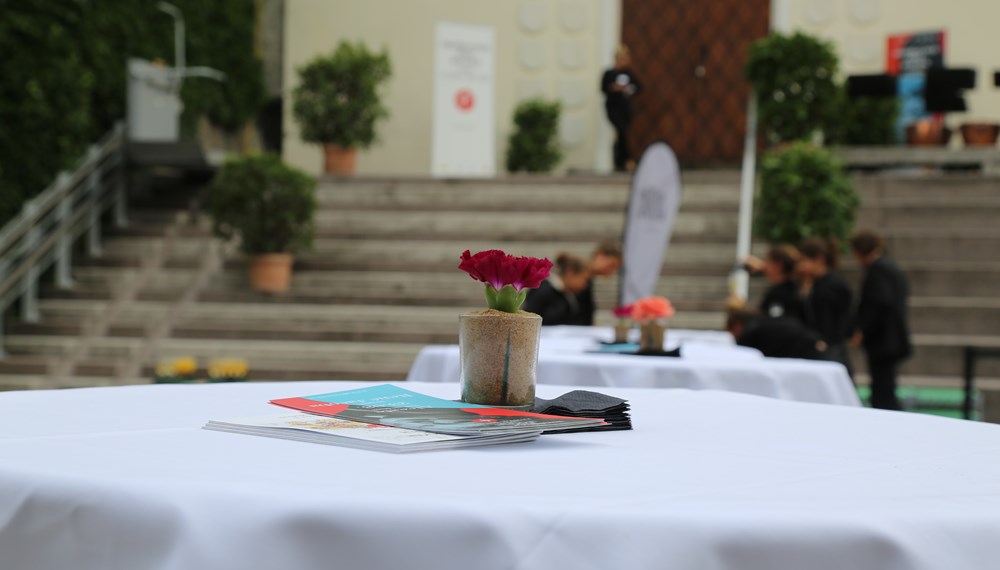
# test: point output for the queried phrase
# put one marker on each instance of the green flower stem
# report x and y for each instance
(507, 299)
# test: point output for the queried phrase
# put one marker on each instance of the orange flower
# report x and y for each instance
(652, 308)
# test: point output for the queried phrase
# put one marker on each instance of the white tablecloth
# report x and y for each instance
(709, 361)
(123, 478)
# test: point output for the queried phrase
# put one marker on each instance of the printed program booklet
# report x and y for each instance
(389, 405)
(310, 428)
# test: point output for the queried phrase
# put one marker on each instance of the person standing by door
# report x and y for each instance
(881, 320)
(619, 84)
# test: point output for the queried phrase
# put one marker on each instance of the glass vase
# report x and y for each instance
(652, 334)
(499, 354)
(621, 331)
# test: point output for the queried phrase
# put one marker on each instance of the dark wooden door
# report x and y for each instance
(690, 54)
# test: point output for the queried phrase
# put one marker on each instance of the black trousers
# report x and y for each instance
(883, 372)
(620, 119)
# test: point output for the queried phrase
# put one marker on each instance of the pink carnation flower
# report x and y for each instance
(496, 268)
(623, 312)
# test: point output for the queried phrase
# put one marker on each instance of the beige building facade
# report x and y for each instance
(551, 48)
(558, 49)
(860, 30)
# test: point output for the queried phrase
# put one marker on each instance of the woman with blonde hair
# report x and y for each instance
(555, 300)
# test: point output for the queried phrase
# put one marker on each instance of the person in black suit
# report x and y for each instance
(881, 319)
(619, 85)
(827, 298)
(778, 266)
(555, 300)
(776, 337)
(604, 262)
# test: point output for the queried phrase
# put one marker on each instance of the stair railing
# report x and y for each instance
(44, 233)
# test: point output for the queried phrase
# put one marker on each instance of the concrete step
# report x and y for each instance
(960, 244)
(511, 225)
(445, 284)
(687, 293)
(930, 216)
(305, 318)
(359, 252)
(265, 354)
(45, 382)
(433, 195)
(60, 346)
(945, 278)
(974, 316)
(177, 247)
(889, 187)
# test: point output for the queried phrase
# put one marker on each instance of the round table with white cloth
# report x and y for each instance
(709, 361)
(124, 478)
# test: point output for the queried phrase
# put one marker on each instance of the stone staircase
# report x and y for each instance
(382, 280)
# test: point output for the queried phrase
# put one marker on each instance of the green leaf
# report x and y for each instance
(804, 192)
(533, 145)
(338, 98)
(507, 299)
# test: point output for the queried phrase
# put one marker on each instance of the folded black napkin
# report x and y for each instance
(586, 404)
(675, 352)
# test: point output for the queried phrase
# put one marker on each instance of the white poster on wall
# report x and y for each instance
(463, 129)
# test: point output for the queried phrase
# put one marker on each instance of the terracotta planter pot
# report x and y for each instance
(339, 160)
(927, 133)
(980, 134)
(499, 357)
(271, 272)
(652, 336)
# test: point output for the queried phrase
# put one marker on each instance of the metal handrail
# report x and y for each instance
(43, 234)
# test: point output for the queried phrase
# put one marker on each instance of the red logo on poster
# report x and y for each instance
(464, 100)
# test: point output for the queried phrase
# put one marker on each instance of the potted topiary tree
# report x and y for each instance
(804, 192)
(863, 121)
(794, 79)
(534, 146)
(270, 207)
(337, 102)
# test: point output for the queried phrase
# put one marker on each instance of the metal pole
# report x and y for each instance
(29, 283)
(64, 250)
(179, 38)
(94, 203)
(121, 205)
(748, 175)
(969, 374)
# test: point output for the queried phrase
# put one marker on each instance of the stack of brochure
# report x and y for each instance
(390, 418)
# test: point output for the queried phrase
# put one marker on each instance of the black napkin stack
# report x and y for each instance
(585, 404)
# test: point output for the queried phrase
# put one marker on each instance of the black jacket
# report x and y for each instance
(616, 102)
(781, 337)
(554, 306)
(782, 300)
(585, 299)
(827, 309)
(882, 311)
